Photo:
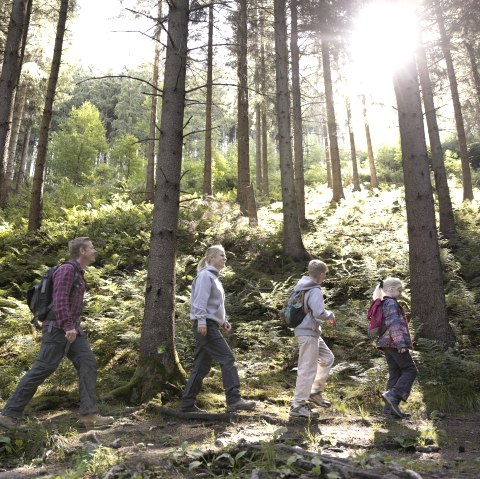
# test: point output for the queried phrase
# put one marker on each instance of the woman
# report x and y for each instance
(207, 312)
(395, 342)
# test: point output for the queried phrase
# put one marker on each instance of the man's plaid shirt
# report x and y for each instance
(67, 302)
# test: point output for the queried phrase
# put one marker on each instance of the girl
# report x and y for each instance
(207, 313)
(395, 342)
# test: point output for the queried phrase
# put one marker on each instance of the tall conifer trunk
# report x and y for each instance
(23, 158)
(20, 99)
(297, 115)
(337, 186)
(447, 220)
(371, 159)
(10, 73)
(292, 237)
(426, 279)
(36, 201)
(242, 108)
(158, 362)
(150, 186)
(452, 78)
(207, 167)
(353, 150)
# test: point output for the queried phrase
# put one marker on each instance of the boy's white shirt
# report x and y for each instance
(313, 300)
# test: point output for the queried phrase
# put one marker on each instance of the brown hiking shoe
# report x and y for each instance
(8, 422)
(94, 419)
(317, 399)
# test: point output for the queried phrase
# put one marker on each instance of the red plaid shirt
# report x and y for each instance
(67, 302)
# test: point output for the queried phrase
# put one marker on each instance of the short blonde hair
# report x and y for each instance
(212, 251)
(75, 245)
(384, 285)
(315, 267)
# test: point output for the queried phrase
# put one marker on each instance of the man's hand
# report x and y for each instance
(227, 326)
(71, 335)
(202, 329)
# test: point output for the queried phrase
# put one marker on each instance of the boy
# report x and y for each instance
(315, 358)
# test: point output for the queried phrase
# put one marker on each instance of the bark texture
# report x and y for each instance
(20, 99)
(457, 107)
(159, 361)
(337, 186)
(292, 238)
(10, 73)
(150, 186)
(207, 167)
(242, 108)
(447, 220)
(36, 202)
(426, 281)
(353, 150)
(297, 115)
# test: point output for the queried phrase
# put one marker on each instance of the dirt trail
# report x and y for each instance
(156, 445)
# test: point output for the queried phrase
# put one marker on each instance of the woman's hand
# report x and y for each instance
(202, 329)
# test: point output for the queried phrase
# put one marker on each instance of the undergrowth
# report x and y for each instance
(362, 239)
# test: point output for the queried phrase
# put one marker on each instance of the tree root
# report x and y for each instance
(201, 416)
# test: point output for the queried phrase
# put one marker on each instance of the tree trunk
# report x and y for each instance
(23, 159)
(20, 99)
(150, 186)
(36, 202)
(258, 147)
(242, 108)
(473, 63)
(292, 237)
(332, 124)
(207, 167)
(326, 145)
(426, 282)
(158, 362)
(263, 83)
(265, 182)
(10, 73)
(297, 116)
(353, 151)
(462, 139)
(252, 207)
(371, 159)
(447, 220)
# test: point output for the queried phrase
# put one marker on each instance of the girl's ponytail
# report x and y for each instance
(378, 291)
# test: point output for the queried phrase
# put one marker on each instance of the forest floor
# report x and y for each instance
(152, 442)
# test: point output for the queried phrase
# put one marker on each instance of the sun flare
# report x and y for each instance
(384, 37)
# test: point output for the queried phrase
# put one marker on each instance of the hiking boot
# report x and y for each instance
(241, 405)
(302, 411)
(388, 413)
(391, 400)
(9, 422)
(316, 398)
(193, 408)
(94, 419)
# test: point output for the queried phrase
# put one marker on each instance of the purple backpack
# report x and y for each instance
(376, 321)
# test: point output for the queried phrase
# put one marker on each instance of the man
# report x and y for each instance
(63, 336)
(315, 358)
